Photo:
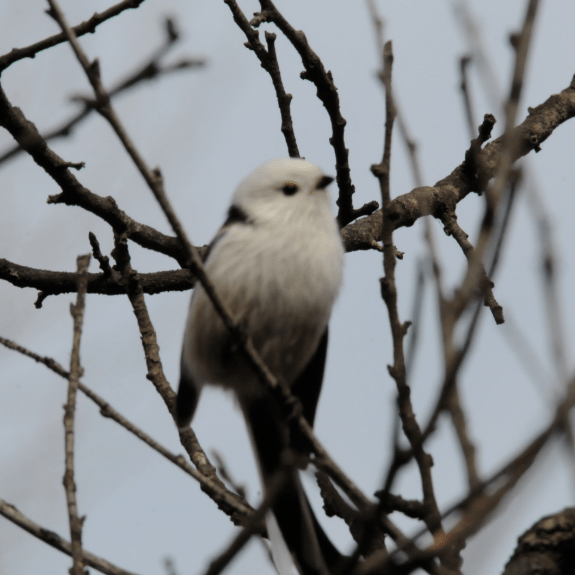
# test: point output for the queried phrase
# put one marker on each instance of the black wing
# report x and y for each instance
(308, 385)
(187, 399)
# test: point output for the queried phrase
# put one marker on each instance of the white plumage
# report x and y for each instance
(278, 273)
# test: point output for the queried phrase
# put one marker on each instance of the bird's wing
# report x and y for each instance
(187, 399)
(308, 385)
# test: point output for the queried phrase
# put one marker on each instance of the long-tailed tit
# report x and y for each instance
(277, 265)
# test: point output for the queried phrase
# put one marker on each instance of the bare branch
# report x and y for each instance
(150, 70)
(73, 192)
(53, 539)
(359, 235)
(75, 521)
(482, 501)
(464, 62)
(327, 93)
(89, 26)
(54, 283)
(411, 428)
(452, 228)
(448, 192)
(250, 527)
(467, 447)
(231, 503)
(269, 63)
(152, 354)
(548, 544)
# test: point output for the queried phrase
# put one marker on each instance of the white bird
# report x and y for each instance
(277, 265)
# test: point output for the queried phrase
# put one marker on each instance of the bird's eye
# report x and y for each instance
(290, 188)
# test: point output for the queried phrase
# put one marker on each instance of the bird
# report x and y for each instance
(277, 265)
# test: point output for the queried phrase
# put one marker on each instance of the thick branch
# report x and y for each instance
(54, 283)
(547, 548)
(360, 235)
(73, 192)
(446, 193)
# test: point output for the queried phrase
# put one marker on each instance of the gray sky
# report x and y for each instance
(208, 129)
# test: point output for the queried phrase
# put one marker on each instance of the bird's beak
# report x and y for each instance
(322, 183)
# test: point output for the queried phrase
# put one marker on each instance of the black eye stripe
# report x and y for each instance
(290, 188)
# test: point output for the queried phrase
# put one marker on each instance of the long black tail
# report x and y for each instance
(311, 548)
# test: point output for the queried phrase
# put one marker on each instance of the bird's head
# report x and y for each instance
(284, 188)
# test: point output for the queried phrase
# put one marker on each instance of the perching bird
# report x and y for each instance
(277, 265)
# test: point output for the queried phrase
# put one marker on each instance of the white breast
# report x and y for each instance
(280, 283)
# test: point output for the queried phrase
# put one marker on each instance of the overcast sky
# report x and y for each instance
(207, 129)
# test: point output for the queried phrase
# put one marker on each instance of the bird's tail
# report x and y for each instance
(311, 548)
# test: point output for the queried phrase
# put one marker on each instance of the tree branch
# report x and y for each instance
(269, 63)
(147, 72)
(327, 93)
(54, 283)
(448, 192)
(546, 548)
(53, 539)
(232, 504)
(73, 192)
(89, 26)
(75, 521)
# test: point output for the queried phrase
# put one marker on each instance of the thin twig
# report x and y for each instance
(464, 62)
(431, 515)
(53, 539)
(284, 100)
(336, 506)
(476, 275)
(480, 503)
(490, 81)
(269, 63)
(316, 73)
(73, 192)
(479, 507)
(231, 503)
(399, 330)
(467, 447)
(103, 260)
(452, 228)
(150, 70)
(152, 355)
(416, 314)
(76, 522)
(503, 174)
(510, 142)
(450, 314)
(87, 27)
